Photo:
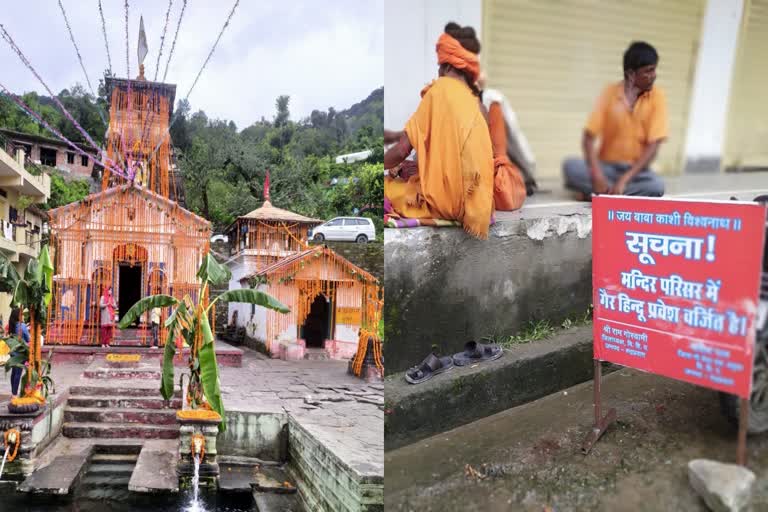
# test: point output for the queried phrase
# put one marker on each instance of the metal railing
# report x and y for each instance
(11, 147)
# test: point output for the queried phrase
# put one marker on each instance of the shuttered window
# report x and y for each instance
(552, 58)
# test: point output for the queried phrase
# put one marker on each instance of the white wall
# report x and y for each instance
(712, 81)
(410, 61)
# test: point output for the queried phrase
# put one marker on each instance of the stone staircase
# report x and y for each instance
(316, 354)
(120, 403)
(108, 473)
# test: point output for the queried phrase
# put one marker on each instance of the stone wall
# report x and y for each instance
(444, 288)
(252, 434)
(325, 483)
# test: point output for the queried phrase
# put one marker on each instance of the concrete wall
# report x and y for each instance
(712, 85)
(444, 288)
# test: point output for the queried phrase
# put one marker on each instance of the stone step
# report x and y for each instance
(118, 391)
(100, 481)
(268, 502)
(316, 354)
(119, 430)
(272, 479)
(121, 415)
(114, 458)
(127, 402)
(122, 373)
(111, 469)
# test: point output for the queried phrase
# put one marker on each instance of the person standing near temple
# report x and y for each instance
(630, 119)
(107, 307)
(19, 329)
(155, 321)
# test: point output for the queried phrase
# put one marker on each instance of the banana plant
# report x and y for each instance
(189, 321)
(33, 292)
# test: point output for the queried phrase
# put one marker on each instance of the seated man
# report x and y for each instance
(631, 121)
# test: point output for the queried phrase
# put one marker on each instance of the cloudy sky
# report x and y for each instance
(321, 53)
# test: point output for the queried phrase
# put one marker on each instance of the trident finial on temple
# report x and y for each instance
(143, 48)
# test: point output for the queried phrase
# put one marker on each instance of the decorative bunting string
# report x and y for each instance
(7, 37)
(80, 59)
(176, 35)
(162, 38)
(104, 31)
(54, 131)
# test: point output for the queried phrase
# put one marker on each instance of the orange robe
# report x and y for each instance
(454, 156)
(508, 187)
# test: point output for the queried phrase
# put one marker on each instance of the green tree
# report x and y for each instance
(283, 113)
(65, 191)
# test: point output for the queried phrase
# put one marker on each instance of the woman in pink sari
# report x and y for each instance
(107, 307)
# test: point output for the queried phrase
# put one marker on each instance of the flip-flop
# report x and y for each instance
(475, 352)
(431, 366)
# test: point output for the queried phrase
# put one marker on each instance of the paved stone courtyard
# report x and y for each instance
(341, 411)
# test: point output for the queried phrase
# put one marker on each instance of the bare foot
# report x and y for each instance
(581, 196)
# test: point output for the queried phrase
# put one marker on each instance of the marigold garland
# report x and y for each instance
(123, 358)
(198, 414)
(15, 443)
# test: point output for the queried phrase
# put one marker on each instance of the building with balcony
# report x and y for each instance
(22, 186)
(42, 150)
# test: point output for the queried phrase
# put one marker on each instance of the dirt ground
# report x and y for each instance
(529, 458)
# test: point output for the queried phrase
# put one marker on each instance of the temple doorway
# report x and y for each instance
(317, 326)
(129, 279)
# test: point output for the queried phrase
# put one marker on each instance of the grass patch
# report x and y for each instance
(536, 330)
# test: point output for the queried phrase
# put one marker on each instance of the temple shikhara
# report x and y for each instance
(132, 235)
(333, 302)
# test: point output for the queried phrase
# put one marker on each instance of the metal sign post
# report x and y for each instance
(601, 422)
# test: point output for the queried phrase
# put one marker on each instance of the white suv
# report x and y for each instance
(348, 229)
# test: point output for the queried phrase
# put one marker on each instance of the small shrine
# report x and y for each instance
(331, 299)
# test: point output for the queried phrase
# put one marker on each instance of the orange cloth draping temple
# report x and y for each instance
(132, 236)
(138, 137)
(139, 242)
(455, 160)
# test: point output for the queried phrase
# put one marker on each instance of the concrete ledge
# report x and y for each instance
(462, 395)
(155, 472)
(444, 288)
(58, 478)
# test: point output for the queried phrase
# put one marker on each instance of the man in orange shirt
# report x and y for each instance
(630, 119)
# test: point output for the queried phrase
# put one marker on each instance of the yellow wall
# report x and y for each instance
(747, 136)
(552, 59)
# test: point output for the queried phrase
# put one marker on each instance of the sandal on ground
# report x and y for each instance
(475, 352)
(431, 366)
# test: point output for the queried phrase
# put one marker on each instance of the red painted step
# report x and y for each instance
(118, 391)
(122, 373)
(119, 430)
(103, 415)
(127, 402)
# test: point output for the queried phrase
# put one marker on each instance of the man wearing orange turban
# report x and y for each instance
(455, 168)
